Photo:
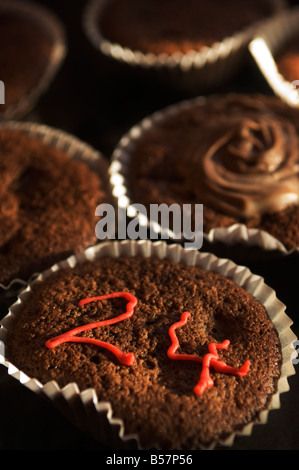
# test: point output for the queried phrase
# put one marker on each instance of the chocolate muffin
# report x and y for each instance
(288, 60)
(235, 154)
(165, 401)
(48, 201)
(170, 26)
(24, 56)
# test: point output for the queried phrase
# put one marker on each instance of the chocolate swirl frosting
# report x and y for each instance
(244, 163)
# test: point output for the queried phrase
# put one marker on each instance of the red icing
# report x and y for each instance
(71, 336)
(210, 359)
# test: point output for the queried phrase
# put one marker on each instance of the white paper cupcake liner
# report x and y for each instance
(74, 148)
(195, 71)
(53, 28)
(95, 417)
(264, 46)
(120, 187)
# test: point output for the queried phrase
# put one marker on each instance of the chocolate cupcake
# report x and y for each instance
(152, 26)
(192, 44)
(288, 60)
(32, 49)
(276, 53)
(51, 185)
(179, 354)
(235, 154)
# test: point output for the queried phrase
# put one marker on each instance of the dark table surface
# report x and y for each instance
(98, 101)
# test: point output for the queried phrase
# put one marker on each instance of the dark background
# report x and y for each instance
(98, 101)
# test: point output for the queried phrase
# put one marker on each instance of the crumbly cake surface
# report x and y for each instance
(231, 153)
(154, 396)
(153, 26)
(47, 206)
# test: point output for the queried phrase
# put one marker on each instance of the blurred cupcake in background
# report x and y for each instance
(193, 44)
(32, 49)
(51, 185)
(275, 49)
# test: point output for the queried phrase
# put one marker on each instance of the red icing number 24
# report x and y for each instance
(126, 359)
(211, 359)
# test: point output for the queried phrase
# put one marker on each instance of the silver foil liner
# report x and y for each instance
(84, 408)
(120, 187)
(54, 29)
(74, 148)
(266, 44)
(195, 71)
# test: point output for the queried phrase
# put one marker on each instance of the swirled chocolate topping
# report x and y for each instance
(249, 168)
(235, 154)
